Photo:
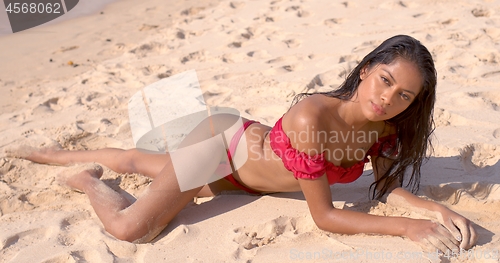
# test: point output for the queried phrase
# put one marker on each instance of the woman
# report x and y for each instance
(383, 109)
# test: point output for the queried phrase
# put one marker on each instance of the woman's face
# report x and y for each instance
(386, 90)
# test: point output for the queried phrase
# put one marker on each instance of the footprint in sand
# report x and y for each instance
(41, 197)
(98, 100)
(66, 237)
(264, 234)
(121, 249)
(183, 34)
(181, 233)
(237, 5)
(491, 74)
(444, 118)
(17, 117)
(149, 48)
(251, 239)
(269, 113)
(96, 126)
(153, 69)
(235, 44)
(192, 11)
(333, 77)
(448, 22)
(397, 4)
(334, 22)
(489, 98)
(493, 33)
(198, 56)
(292, 43)
(326, 79)
(146, 27)
(167, 73)
(288, 64)
(71, 139)
(47, 106)
(248, 33)
(488, 57)
(227, 76)
(298, 11)
(66, 240)
(293, 67)
(367, 45)
(480, 12)
(87, 256)
(480, 99)
(65, 49)
(52, 104)
(496, 133)
(259, 54)
(234, 57)
(23, 239)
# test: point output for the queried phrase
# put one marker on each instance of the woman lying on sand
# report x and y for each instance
(389, 96)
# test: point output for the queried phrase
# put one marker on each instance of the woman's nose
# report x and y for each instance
(387, 96)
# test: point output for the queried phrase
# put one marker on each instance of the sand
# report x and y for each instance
(70, 82)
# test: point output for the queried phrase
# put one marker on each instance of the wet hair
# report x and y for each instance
(414, 125)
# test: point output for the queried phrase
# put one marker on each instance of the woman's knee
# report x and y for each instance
(127, 229)
(126, 161)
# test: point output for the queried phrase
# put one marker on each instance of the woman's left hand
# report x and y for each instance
(460, 227)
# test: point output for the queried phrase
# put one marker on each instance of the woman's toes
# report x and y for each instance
(23, 151)
(35, 154)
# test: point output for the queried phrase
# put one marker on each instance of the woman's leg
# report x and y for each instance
(142, 220)
(118, 160)
(121, 161)
(164, 198)
(178, 177)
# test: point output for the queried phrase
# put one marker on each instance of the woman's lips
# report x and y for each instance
(378, 109)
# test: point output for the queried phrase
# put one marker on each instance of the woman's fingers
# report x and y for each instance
(436, 243)
(447, 238)
(432, 235)
(439, 238)
(469, 236)
(454, 230)
(466, 233)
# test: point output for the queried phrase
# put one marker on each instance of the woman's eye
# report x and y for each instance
(405, 97)
(386, 81)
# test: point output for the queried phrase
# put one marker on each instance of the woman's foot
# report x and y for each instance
(78, 177)
(45, 155)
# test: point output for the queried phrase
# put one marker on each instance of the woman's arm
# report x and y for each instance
(459, 226)
(308, 114)
(430, 234)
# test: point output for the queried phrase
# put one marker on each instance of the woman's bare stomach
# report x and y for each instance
(263, 170)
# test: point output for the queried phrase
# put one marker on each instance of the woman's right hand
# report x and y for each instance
(431, 235)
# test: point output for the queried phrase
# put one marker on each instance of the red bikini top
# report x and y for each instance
(312, 167)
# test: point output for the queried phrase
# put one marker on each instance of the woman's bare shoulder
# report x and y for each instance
(310, 111)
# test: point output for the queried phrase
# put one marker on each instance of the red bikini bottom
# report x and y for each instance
(232, 148)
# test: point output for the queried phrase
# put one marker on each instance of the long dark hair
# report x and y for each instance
(414, 125)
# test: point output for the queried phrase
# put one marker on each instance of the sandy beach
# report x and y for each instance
(70, 83)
